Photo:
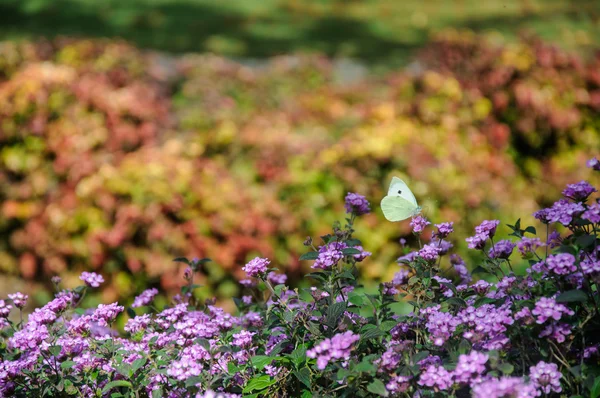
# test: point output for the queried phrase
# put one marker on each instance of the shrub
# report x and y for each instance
(116, 160)
(511, 334)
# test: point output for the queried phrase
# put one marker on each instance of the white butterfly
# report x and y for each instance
(400, 203)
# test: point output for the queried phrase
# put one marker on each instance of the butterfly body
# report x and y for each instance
(400, 203)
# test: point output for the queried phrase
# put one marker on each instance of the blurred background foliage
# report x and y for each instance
(119, 159)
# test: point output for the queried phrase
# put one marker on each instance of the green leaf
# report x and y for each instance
(377, 387)
(386, 326)
(505, 368)
(258, 383)
(192, 381)
(457, 301)
(260, 361)
(531, 230)
(420, 356)
(182, 260)
(571, 296)
(306, 394)
(350, 251)
(464, 346)
(356, 299)
(298, 355)
(334, 313)
(372, 333)
(137, 364)
(353, 242)
(157, 393)
(115, 384)
(585, 241)
(131, 312)
(595, 390)
(55, 350)
(203, 343)
(309, 256)
(365, 366)
(303, 375)
(450, 286)
(67, 364)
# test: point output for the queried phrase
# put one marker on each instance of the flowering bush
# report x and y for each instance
(115, 160)
(515, 335)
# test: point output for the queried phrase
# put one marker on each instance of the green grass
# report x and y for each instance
(371, 30)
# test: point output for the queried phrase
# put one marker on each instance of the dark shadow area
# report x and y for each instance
(190, 26)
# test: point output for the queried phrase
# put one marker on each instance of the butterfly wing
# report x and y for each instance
(397, 208)
(399, 188)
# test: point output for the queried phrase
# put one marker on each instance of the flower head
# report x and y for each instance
(19, 299)
(561, 264)
(547, 308)
(502, 249)
(418, 224)
(145, 298)
(546, 377)
(357, 204)
(579, 191)
(338, 347)
(256, 267)
(594, 164)
(91, 279)
(444, 229)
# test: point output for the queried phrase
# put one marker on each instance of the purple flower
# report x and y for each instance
(547, 308)
(144, 298)
(470, 367)
(445, 291)
(524, 315)
(579, 191)
(502, 249)
(329, 255)
(276, 278)
(546, 377)
(485, 326)
(401, 277)
(429, 252)
(338, 347)
(592, 214)
(389, 289)
(407, 258)
(91, 279)
(435, 377)
(529, 245)
(594, 164)
(256, 267)
(563, 211)
(362, 255)
(561, 264)
(444, 229)
(557, 332)
(249, 283)
(554, 239)
(357, 204)
(398, 384)
(243, 339)
(418, 224)
(4, 309)
(137, 324)
(443, 245)
(461, 268)
(247, 300)
(56, 279)
(19, 299)
(481, 287)
(514, 387)
(484, 231)
(106, 314)
(440, 325)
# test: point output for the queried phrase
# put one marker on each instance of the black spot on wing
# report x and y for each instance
(399, 192)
